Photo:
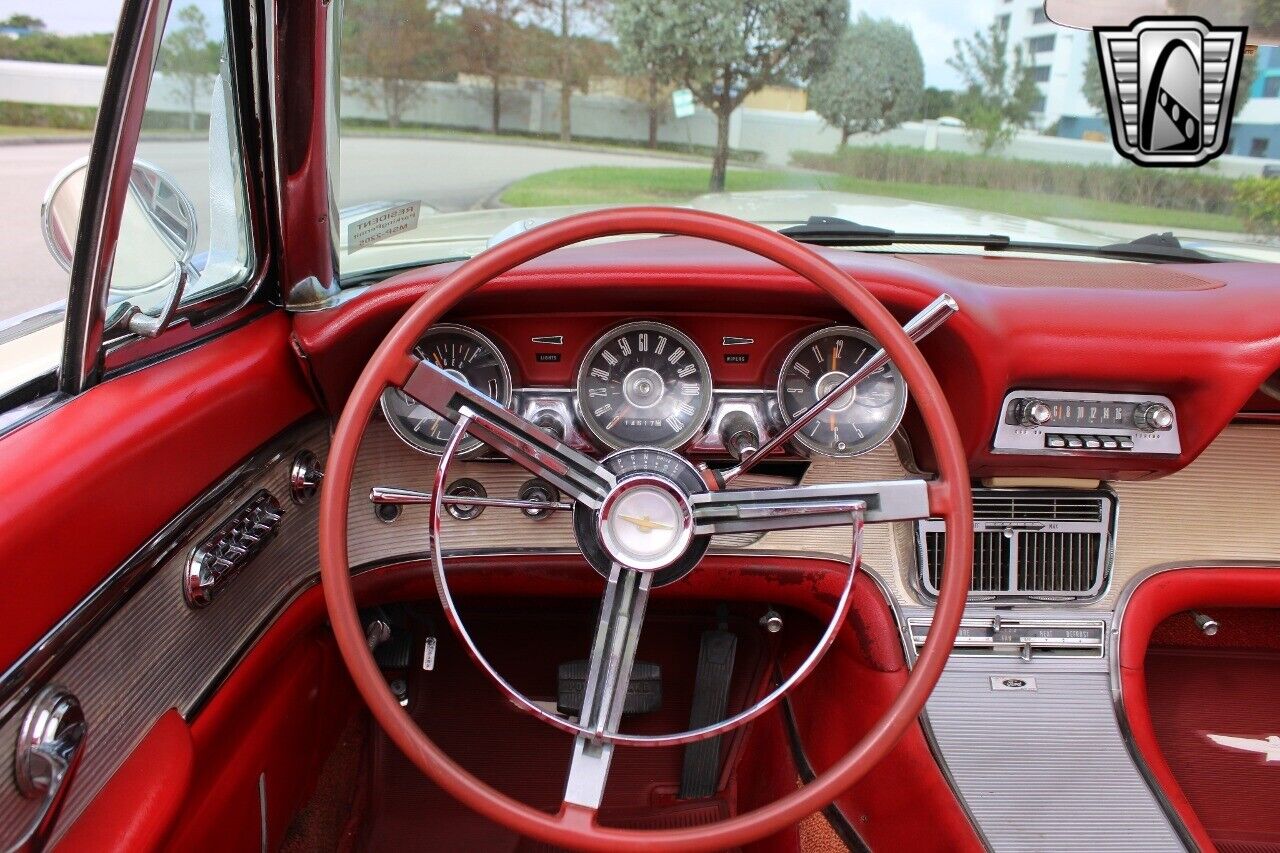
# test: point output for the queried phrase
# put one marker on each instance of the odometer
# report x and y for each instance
(857, 421)
(466, 355)
(644, 384)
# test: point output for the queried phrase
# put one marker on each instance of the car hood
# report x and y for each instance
(440, 236)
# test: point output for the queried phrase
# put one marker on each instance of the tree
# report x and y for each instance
(190, 57)
(573, 63)
(1000, 91)
(875, 80)
(19, 21)
(90, 49)
(937, 103)
(390, 49)
(723, 50)
(490, 46)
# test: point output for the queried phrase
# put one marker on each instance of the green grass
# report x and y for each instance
(10, 130)
(627, 185)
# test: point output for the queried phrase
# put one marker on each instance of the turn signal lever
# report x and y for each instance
(739, 435)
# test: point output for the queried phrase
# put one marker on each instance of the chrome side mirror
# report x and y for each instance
(158, 232)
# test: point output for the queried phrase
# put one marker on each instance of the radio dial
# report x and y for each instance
(1153, 417)
(1035, 413)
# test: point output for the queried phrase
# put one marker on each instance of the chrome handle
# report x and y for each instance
(50, 746)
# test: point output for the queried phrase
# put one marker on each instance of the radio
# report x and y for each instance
(1061, 422)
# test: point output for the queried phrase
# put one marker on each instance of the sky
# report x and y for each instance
(935, 23)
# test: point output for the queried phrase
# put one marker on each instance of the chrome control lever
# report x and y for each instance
(50, 746)
(931, 317)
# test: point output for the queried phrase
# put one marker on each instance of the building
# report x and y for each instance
(1255, 132)
(1057, 56)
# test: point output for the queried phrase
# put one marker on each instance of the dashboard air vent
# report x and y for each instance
(1033, 544)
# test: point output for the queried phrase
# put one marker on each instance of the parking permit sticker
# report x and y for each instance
(385, 223)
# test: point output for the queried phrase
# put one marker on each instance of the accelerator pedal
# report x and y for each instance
(716, 655)
(644, 693)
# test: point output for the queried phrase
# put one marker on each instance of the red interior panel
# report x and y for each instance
(1175, 713)
(118, 462)
(1193, 693)
(144, 796)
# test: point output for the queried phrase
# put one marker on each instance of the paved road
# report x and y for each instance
(448, 175)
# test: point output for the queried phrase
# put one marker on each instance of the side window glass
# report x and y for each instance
(52, 63)
(186, 215)
(190, 137)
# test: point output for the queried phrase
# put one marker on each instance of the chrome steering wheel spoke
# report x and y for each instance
(529, 446)
(613, 654)
(802, 507)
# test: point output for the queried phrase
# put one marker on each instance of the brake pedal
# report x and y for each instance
(644, 693)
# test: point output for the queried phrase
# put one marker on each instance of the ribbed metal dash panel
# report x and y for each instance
(1045, 770)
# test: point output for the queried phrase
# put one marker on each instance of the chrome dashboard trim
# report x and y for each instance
(1117, 689)
(19, 682)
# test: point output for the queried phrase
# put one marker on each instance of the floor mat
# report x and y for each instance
(1233, 787)
(464, 713)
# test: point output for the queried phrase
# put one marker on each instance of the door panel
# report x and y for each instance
(89, 483)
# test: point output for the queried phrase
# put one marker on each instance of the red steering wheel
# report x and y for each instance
(596, 491)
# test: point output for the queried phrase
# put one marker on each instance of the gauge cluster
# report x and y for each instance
(646, 383)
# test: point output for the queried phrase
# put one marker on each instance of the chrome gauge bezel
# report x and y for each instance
(469, 446)
(808, 340)
(696, 423)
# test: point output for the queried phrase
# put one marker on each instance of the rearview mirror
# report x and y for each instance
(158, 232)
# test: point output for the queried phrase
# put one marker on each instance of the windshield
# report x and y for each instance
(462, 123)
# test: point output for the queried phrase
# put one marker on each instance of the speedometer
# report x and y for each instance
(468, 356)
(644, 384)
(859, 420)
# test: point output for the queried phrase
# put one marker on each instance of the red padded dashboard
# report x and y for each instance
(1207, 343)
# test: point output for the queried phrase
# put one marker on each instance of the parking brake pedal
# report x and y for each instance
(716, 654)
(644, 693)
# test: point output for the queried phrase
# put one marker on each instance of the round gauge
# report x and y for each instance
(859, 420)
(465, 354)
(644, 384)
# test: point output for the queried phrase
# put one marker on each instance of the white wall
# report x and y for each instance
(536, 108)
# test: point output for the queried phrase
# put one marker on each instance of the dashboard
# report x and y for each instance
(648, 382)
(1199, 339)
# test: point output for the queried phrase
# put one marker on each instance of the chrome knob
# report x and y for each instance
(539, 491)
(1153, 417)
(1035, 413)
(739, 435)
(551, 423)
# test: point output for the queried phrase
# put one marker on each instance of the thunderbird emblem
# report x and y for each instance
(1171, 88)
(645, 523)
(1269, 746)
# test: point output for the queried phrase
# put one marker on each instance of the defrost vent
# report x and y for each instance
(1042, 545)
(231, 547)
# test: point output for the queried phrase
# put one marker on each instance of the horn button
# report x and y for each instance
(646, 522)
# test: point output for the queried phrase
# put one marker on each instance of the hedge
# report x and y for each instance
(1258, 204)
(1164, 188)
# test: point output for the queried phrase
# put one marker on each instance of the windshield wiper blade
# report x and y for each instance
(833, 231)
